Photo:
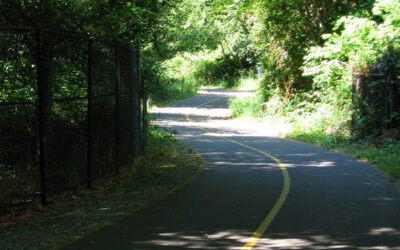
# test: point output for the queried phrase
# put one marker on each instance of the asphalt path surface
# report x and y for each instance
(334, 201)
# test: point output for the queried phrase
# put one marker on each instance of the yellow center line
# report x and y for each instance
(284, 193)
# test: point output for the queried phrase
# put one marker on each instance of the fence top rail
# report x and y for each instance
(65, 33)
(17, 103)
(16, 29)
(82, 35)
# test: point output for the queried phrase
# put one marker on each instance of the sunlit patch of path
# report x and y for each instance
(209, 117)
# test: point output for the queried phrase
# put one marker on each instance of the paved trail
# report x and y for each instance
(333, 201)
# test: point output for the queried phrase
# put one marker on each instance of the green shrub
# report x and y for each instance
(246, 107)
(248, 82)
(205, 68)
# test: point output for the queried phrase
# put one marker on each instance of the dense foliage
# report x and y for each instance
(310, 52)
(187, 43)
(313, 52)
(359, 45)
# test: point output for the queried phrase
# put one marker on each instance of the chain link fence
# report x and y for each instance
(72, 110)
(376, 97)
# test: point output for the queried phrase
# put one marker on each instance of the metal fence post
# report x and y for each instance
(132, 103)
(89, 117)
(137, 104)
(144, 116)
(117, 107)
(41, 118)
(143, 97)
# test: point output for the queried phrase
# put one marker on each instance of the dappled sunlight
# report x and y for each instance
(228, 239)
(214, 112)
(384, 230)
(213, 123)
(235, 239)
(227, 93)
(270, 165)
(313, 164)
(217, 160)
(199, 240)
(302, 155)
(211, 119)
(215, 116)
(313, 242)
(381, 199)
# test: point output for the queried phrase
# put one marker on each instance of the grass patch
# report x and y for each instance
(247, 84)
(385, 156)
(246, 107)
(243, 83)
(165, 165)
(170, 93)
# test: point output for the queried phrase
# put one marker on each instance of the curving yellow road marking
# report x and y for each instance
(284, 193)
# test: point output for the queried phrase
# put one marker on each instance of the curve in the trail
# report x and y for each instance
(282, 197)
(334, 201)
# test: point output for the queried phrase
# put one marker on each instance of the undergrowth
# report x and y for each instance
(164, 165)
(164, 159)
